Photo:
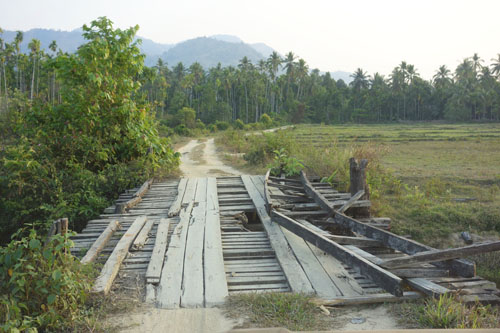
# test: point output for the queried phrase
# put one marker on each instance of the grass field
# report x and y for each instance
(434, 180)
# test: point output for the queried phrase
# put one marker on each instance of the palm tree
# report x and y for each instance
(302, 71)
(17, 42)
(273, 62)
(360, 80)
(34, 46)
(442, 76)
(495, 66)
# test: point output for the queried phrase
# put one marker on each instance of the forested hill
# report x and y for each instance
(226, 49)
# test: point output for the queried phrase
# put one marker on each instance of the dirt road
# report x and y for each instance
(200, 159)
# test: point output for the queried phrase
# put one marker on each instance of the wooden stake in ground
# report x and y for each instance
(110, 270)
(358, 183)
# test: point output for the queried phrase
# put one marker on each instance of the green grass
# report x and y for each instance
(295, 312)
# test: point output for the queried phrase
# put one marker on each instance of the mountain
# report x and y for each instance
(340, 75)
(209, 52)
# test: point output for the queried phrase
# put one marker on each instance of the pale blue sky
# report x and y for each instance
(329, 35)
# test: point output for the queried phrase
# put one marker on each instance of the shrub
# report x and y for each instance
(283, 163)
(41, 287)
(222, 125)
(182, 130)
(212, 128)
(199, 124)
(238, 124)
(266, 120)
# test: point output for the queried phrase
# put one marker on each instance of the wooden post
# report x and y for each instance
(358, 183)
(64, 225)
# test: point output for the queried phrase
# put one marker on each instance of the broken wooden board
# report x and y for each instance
(155, 265)
(110, 269)
(101, 242)
(381, 277)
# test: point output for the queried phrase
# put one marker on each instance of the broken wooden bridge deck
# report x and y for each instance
(193, 241)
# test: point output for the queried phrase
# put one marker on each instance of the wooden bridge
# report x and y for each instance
(192, 242)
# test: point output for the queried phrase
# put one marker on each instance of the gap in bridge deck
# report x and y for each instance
(249, 260)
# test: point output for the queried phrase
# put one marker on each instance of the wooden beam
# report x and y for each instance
(427, 287)
(458, 267)
(101, 242)
(155, 265)
(112, 266)
(440, 255)
(269, 204)
(351, 201)
(315, 194)
(381, 277)
(121, 208)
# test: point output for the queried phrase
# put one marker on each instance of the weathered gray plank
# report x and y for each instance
(192, 284)
(169, 291)
(213, 264)
(440, 255)
(141, 239)
(295, 275)
(110, 269)
(100, 242)
(351, 201)
(155, 265)
(347, 285)
(456, 266)
(319, 279)
(176, 206)
(381, 277)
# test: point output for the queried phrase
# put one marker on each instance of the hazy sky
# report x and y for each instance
(330, 35)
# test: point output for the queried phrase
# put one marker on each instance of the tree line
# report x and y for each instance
(283, 87)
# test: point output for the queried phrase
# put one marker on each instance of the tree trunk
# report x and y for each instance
(33, 79)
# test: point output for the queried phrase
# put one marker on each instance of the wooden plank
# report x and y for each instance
(456, 266)
(440, 255)
(368, 299)
(381, 277)
(192, 284)
(169, 290)
(347, 285)
(110, 269)
(420, 272)
(319, 279)
(155, 265)
(176, 206)
(144, 188)
(295, 275)
(427, 287)
(101, 242)
(351, 201)
(141, 239)
(213, 263)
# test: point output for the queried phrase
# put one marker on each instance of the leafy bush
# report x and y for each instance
(199, 124)
(239, 124)
(283, 163)
(182, 130)
(266, 120)
(222, 125)
(41, 286)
